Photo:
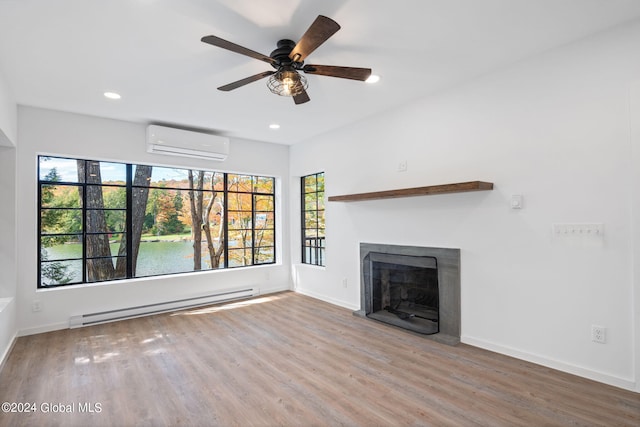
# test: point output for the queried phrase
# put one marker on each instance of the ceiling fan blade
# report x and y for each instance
(301, 98)
(319, 31)
(217, 41)
(352, 73)
(239, 83)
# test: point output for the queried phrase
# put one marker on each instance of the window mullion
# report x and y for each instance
(83, 185)
(225, 225)
(129, 220)
(253, 225)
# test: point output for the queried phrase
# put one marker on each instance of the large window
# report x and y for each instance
(103, 221)
(313, 246)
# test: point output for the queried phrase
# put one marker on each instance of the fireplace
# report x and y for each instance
(412, 287)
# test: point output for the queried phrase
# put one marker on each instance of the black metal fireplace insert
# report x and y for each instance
(412, 287)
(405, 292)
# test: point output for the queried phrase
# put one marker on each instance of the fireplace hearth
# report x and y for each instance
(412, 287)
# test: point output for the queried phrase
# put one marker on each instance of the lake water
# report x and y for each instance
(153, 258)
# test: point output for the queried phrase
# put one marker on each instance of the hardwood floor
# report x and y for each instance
(289, 360)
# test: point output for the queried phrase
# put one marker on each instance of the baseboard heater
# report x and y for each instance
(149, 309)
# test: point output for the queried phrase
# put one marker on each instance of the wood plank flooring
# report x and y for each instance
(287, 360)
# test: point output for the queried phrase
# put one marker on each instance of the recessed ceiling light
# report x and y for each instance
(373, 79)
(274, 126)
(112, 95)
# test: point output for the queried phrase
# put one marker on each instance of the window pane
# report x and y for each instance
(114, 197)
(239, 202)
(311, 219)
(101, 269)
(239, 220)
(265, 220)
(320, 198)
(310, 184)
(58, 169)
(264, 255)
(113, 173)
(60, 272)
(240, 183)
(218, 182)
(92, 171)
(94, 197)
(264, 185)
(239, 257)
(264, 238)
(264, 203)
(59, 196)
(169, 177)
(106, 221)
(142, 171)
(320, 180)
(240, 239)
(61, 221)
(310, 205)
(101, 221)
(53, 249)
(310, 233)
(62, 240)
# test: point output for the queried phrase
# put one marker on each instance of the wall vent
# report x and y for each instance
(149, 309)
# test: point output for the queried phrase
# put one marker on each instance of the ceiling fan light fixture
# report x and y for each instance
(287, 82)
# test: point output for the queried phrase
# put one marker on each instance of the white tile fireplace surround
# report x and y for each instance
(412, 287)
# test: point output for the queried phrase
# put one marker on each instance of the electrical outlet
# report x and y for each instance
(402, 166)
(598, 334)
(344, 282)
(36, 306)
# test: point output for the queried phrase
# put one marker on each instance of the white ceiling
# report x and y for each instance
(63, 54)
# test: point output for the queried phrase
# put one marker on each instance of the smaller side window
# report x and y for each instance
(313, 237)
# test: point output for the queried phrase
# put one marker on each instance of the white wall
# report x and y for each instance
(8, 138)
(8, 115)
(52, 132)
(635, 219)
(554, 129)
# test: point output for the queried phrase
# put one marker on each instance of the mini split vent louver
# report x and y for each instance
(178, 142)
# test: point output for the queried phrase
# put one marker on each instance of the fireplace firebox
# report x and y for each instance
(412, 287)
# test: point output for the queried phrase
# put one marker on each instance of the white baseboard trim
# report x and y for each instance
(327, 299)
(627, 384)
(43, 329)
(273, 290)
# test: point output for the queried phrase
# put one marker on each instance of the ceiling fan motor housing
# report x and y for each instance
(281, 55)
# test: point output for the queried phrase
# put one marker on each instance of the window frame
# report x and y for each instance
(83, 209)
(313, 253)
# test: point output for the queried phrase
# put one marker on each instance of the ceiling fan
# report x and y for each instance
(288, 60)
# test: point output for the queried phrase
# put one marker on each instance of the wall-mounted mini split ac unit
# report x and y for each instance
(178, 142)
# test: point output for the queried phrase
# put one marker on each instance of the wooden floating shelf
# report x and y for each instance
(461, 187)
